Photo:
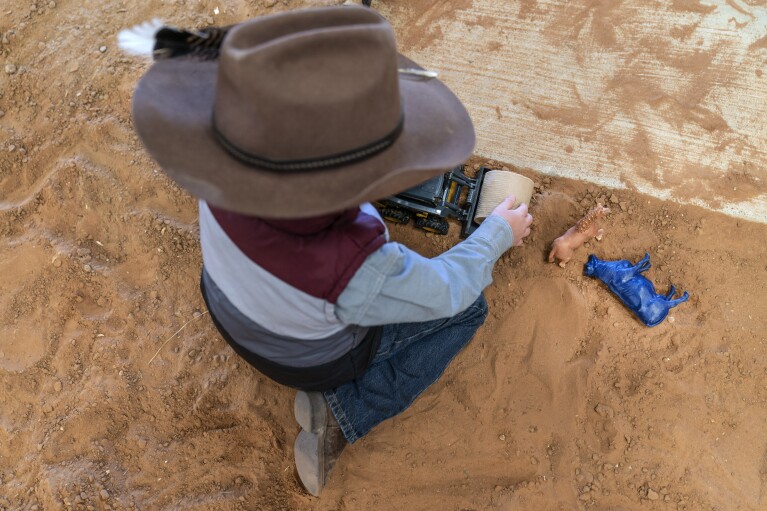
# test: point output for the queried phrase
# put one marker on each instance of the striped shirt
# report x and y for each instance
(282, 319)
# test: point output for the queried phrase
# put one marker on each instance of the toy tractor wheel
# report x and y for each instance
(433, 224)
(398, 216)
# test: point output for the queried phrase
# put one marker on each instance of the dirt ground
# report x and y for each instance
(116, 392)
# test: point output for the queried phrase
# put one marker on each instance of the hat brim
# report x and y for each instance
(172, 111)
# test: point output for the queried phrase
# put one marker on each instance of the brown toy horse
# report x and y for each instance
(586, 228)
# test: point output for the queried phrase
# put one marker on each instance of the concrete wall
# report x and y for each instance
(668, 97)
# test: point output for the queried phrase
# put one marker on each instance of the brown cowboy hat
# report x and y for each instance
(302, 113)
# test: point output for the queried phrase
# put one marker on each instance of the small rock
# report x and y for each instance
(652, 494)
(87, 268)
(614, 199)
(502, 437)
(10, 69)
(2, 113)
(57, 386)
(11, 148)
(604, 410)
(47, 408)
(141, 443)
(270, 3)
(102, 49)
(57, 263)
(623, 206)
(51, 5)
(104, 494)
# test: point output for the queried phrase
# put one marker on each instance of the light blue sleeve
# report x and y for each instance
(397, 285)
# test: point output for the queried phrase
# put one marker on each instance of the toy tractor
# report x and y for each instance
(432, 202)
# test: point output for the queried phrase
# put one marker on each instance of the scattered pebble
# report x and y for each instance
(652, 494)
(102, 49)
(604, 410)
(87, 268)
(10, 69)
(502, 437)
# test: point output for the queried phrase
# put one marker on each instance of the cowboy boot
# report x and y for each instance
(320, 442)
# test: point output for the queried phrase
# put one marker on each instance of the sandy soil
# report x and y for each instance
(117, 393)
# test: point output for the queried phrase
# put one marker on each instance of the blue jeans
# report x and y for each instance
(410, 358)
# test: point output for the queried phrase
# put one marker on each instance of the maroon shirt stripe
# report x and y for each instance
(317, 256)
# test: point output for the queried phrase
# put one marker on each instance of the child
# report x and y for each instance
(286, 132)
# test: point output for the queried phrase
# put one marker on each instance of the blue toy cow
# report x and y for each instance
(634, 289)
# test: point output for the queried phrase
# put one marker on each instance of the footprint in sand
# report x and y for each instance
(535, 373)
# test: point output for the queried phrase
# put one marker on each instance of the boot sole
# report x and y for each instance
(309, 461)
(311, 411)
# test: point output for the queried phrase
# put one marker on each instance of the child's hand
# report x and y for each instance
(518, 219)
